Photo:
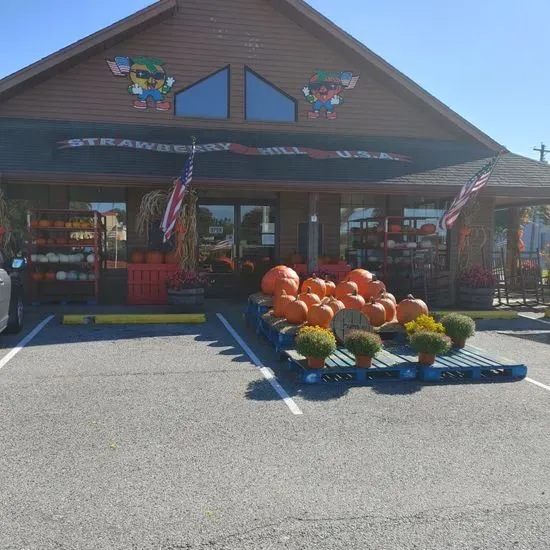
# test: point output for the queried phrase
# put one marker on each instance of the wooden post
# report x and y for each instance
(313, 233)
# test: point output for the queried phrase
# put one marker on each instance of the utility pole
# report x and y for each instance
(542, 151)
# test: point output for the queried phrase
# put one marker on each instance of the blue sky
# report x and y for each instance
(486, 59)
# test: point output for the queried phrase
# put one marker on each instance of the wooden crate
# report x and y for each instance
(146, 283)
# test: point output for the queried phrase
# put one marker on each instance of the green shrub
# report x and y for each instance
(363, 343)
(432, 343)
(315, 342)
(458, 326)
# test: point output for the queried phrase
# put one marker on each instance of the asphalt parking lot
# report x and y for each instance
(168, 437)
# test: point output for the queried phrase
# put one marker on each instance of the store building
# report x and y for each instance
(303, 137)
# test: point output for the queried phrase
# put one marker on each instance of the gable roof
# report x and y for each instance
(298, 10)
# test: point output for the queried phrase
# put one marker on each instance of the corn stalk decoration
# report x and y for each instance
(152, 208)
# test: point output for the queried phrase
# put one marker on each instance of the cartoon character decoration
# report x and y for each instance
(149, 81)
(324, 91)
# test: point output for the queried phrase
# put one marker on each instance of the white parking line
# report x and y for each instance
(539, 384)
(267, 372)
(14, 351)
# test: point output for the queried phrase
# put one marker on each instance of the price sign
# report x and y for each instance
(349, 319)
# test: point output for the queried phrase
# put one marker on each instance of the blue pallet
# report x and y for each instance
(340, 368)
(464, 365)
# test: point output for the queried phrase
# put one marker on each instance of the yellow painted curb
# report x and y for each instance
(135, 319)
(482, 314)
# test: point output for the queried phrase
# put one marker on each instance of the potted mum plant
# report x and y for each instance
(477, 288)
(459, 328)
(428, 345)
(364, 345)
(185, 288)
(316, 344)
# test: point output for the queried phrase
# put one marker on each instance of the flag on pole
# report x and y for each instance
(475, 184)
(176, 198)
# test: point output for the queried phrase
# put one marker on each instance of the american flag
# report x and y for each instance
(176, 198)
(120, 66)
(475, 184)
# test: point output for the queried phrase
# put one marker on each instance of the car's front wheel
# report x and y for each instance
(16, 314)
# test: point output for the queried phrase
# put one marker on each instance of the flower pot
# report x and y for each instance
(315, 362)
(186, 297)
(459, 343)
(476, 298)
(426, 358)
(363, 362)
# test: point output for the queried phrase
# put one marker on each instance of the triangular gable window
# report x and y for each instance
(265, 102)
(207, 98)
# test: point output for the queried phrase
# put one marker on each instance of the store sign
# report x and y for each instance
(229, 147)
(216, 230)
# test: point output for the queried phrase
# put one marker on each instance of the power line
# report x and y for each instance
(542, 150)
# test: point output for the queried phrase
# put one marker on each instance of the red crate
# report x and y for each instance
(146, 283)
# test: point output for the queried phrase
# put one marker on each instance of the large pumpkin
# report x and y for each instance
(154, 257)
(334, 304)
(275, 273)
(330, 288)
(410, 309)
(388, 305)
(353, 301)
(361, 277)
(373, 289)
(375, 312)
(287, 285)
(281, 302)
(345, 288)
(138, 257)
(317, 286)
(320, 315)
(309, 298)
(296, 312)
(388, 295)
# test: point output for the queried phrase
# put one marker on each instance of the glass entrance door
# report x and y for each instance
(216, 234)
(256, 233)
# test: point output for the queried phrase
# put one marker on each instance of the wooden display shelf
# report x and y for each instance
(66, 246)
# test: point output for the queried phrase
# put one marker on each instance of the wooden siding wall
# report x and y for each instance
(206, 35)
(293, 209)
(329, 216)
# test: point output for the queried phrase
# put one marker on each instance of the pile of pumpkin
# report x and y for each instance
(316, 301)
(153, 257)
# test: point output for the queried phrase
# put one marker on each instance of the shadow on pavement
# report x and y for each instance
(400, 388)
(261, 390)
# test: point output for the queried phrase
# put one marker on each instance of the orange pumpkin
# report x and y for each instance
(50, 276)
(323, 260)
(353, 301)
(317, 286)
(295, 258)
(287, 285)
(278, 272)
(281, 302)
(428, 228)
(50, 241)
(361, 277)
(309, 298)
(44, 223)
(320, 315)
(138, 257)
(154, 257)
(330, 288)
(248, 267)
(388, 305)
(395, 228)
(375, 312)
(68, 224)
(388, 295)
(335, 305)
(410, 309)
(170, 258)
(345, 287)
(40, 241)
(37, 276)
(59, 223)
(296, 312)
(34, 223)
(373, 289)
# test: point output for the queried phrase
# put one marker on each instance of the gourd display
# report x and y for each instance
(287, 285)
(317, 286)
(296, 312)
(353, 301)
(309, 298)
(345, 288)
(410, 308)
(361, 277)
(375, 312)
(320, 315)
(275, 273)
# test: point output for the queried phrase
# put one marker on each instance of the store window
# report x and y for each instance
(207, 98)
(20, 198)
(265, 102)
(111, 203)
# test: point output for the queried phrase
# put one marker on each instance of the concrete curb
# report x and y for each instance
(134, 319)
(481, 314)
